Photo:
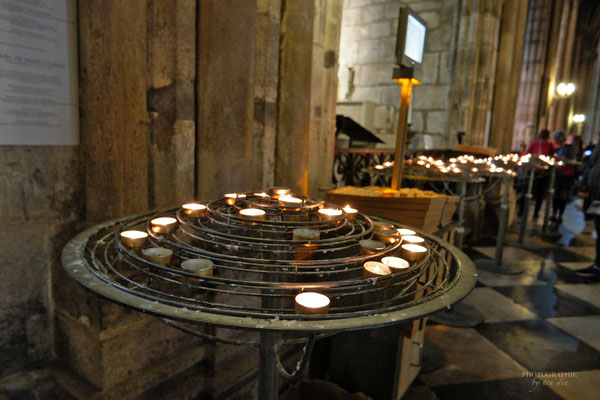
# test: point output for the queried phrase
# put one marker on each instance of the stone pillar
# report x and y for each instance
(514, 18)
(171, 70)
(229, 156)
(113, 132)
(294, 99)
(326, 41)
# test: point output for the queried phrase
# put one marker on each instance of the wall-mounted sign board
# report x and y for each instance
(38, 72)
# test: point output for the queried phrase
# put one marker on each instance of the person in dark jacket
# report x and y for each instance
(565, 177)
(591, 180)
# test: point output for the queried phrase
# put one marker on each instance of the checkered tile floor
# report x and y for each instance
(544, 320)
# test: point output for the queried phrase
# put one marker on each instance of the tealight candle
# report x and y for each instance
(261, 194)
(395, 263)
(199, 266)
(164, 225)
(253, 213)
(413, 252)
(276, 191)
(231, 198)
(388, 236)
(194, 210)
(158, 255)
(369, 246)
(290, 201)
(134, 238)
(375, 269)
(412, 239)
(305, 251)
(350, 212)
(329, 213)
(311, 303)
(305, 234)
(406, 232)
(381, 226)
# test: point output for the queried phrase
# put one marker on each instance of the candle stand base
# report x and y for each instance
(460, 314)
(499, 268)
(434, 357)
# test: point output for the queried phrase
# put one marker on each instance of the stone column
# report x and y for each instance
(293, 107)
(326, 41)
(171, 69)
(514, 18)
(114, 121)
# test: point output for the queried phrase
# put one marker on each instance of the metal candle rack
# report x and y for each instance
(258, 269)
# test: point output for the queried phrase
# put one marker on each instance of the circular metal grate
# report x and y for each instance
(258, 268)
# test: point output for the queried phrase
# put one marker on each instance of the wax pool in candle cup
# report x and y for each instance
(382, 226)
(395, 263)
(413, 252)
(134, 238)
(368, 246)
(312, 303)
(412, 239)
(198, 266)
(387, 235)
(375, 269)
(194, 210)
(164, 225)
(406, 232)
(158, 255)
(253, 213)
(329, 213)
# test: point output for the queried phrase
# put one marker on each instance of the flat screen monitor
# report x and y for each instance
(410, 41)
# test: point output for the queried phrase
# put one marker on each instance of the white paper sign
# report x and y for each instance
(38, 73)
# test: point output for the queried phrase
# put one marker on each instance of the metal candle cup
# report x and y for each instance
(350, 212)
(396, 264)
(134, 238)
(369, 246)
(375, 269)
(406, 232)
(253, 213)
(413, 239)
(328, 214)
(305, 234)
(413, 252)
(382, 226)
(158, 255)
(194, 210)
(198, 266)
(388, 236)
(277, 191)
(311, 303)
(164, 225)
(231, 198)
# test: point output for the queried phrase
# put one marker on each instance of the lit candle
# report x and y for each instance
(288, 200)
(395, 263)
(194, 210)
(164, 225)
(158, 255)
(413, 252)
(382, 226)
(231, 198)
(350, 212)
(305, 234)
(261, 194)
(275, 191)
(406, 232)
(369, 246)
(134, 238)
(375, 269)
(329, 213)
(312, 303)
(387, 235)
(253, 213)
(198, 266)
(412, 239)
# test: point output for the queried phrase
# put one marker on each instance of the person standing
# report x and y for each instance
(591, 180)
(565, 176)
(541, 182)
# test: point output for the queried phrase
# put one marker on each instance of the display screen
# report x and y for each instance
(414, 44)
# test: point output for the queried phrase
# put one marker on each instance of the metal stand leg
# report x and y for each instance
(528, 198)
(460, 231)
(496, 265)
(268, 381)
(549, 200)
